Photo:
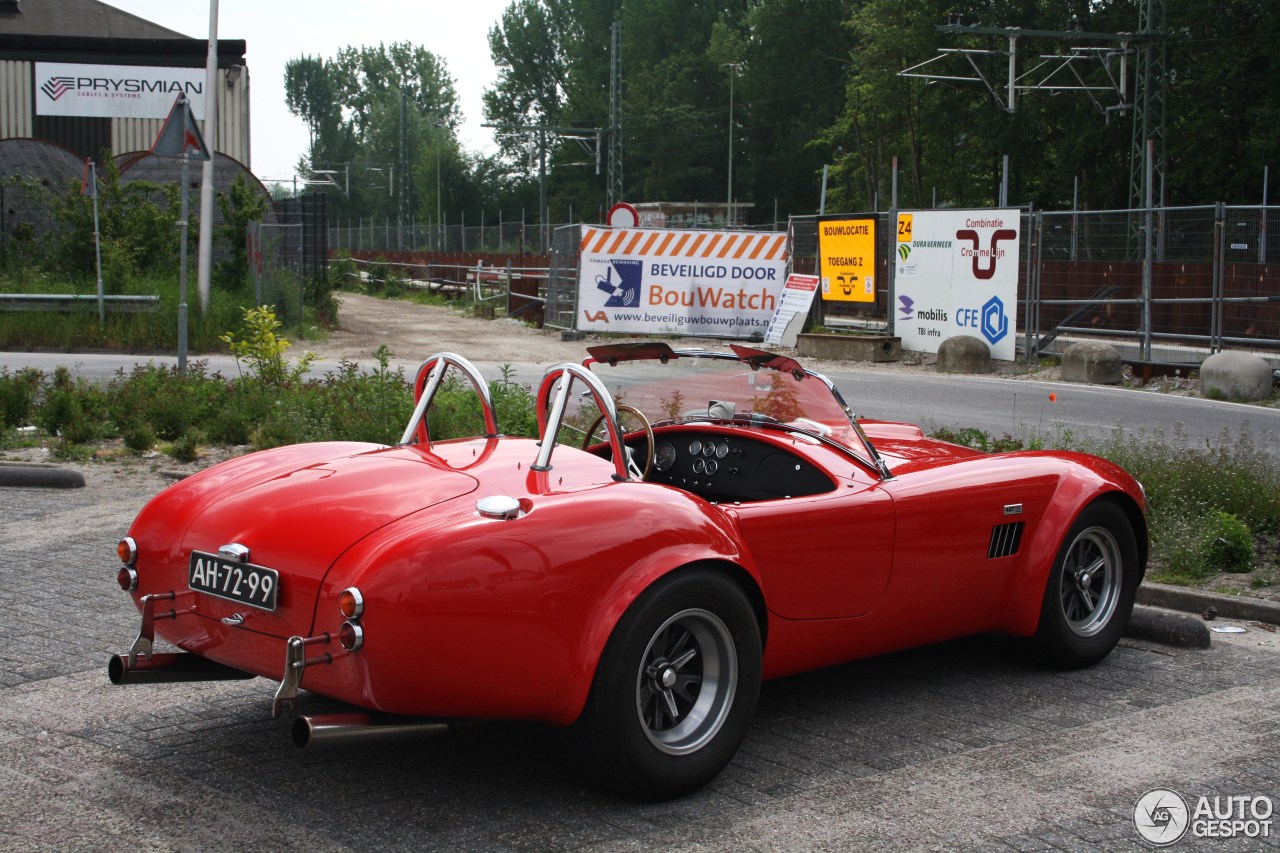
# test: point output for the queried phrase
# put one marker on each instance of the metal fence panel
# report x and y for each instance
(562, 278)
(277, 268)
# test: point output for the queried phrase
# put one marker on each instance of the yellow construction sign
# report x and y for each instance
(847, 259)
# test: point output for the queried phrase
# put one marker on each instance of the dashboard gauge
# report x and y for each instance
(664, 457)
(695, 447)
(712, 466)
(699, 466)
(709, 449)
(722, 450)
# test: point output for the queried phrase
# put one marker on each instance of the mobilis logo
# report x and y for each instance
(908, 311)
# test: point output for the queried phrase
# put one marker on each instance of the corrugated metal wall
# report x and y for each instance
(16, 99)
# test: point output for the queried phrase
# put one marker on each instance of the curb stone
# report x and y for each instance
(39, 476)
(1168, 627)
(1197, 601)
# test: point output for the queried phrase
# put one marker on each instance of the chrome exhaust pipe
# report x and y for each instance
(358, 728)
(168, 667)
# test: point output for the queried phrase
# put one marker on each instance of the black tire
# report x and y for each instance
(690, 644)
(1089, 595)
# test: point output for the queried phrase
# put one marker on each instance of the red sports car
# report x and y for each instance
(637, 582)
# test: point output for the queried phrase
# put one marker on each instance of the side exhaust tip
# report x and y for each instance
(323, 730)
(170, 667)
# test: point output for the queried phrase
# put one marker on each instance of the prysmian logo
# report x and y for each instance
(56, 87)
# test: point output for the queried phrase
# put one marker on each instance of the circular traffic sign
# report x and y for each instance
(622, 215)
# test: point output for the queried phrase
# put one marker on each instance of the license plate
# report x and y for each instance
(256, 586)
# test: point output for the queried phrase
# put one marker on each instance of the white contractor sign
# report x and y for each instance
(649, 281)
(957, 274)
(115, 91)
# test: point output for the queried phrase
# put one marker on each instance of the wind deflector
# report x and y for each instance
(758, 358)
(638, 351)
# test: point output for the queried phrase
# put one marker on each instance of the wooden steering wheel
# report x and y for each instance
(648, 431)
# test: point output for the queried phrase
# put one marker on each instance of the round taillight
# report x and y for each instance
(127, 578)
(351, 636)
(127, 551)
(351, 603)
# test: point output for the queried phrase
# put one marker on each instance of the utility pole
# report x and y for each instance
(1148, 103)
(613, 191)
(402, 212)
(733, 72)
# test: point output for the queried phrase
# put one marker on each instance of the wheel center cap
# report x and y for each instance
(668, 678)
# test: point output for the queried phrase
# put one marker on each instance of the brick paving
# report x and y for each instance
(962, 746)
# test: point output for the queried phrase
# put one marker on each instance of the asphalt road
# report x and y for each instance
(997, 406)
(961, 746)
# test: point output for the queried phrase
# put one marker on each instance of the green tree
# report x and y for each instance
(239, 205)
(356, 106)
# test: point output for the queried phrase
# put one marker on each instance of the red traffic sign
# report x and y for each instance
(622, 215)
(180, 134)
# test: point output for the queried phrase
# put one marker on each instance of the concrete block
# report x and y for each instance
(964, 354)
(1092, 362)
(1235, 376)
(850, 347)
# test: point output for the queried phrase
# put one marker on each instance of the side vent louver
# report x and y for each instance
(1005, 539)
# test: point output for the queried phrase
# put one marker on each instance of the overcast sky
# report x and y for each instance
(276, 31)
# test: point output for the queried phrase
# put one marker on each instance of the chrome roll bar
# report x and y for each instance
(430, 374)
(549, 422)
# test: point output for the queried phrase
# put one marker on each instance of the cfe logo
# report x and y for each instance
(984, 260)
(995, 324)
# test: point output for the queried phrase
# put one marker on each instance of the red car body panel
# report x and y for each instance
(472, 616)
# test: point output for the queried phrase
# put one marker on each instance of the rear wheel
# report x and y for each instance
(675, 689)
(1089, 596)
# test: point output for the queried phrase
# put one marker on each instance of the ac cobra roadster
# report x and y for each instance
(685, 525)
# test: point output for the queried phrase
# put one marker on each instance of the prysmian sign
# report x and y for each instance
(115, 91)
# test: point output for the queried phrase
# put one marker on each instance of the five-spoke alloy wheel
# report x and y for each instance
(1091, 588)
(676, 687)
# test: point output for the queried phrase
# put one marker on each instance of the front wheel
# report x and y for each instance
(1090, 593)
(675, 689)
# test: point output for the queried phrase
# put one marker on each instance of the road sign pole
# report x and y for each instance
(182, 276)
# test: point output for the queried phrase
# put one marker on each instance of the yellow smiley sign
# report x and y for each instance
(847, 259)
